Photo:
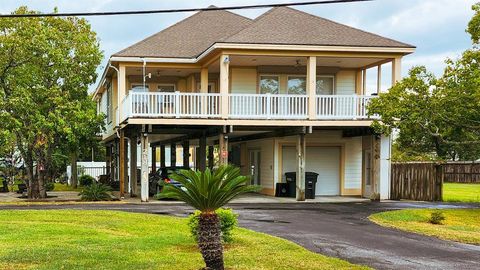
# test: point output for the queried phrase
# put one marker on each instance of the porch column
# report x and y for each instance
(210, 156)
(202, 153)
(396, 70)
(121, 163)
(379, 79)
(162, 156)
(144, 167)
(301, 149)
(186, 154)
(108, 161)
(204, 80)
(364, 81)
(154, 158)
(224, 84)
(121, 85)
(358, 82)
(173, 155)
(311, 86)
(133, 166)
(126, 182)
(223, 148)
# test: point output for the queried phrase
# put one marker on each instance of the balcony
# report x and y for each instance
(243, 106)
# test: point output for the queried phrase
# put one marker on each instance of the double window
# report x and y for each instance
(296, 85)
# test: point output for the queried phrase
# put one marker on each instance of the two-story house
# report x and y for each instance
(285, 92)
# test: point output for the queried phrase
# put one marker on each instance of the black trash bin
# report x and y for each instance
(291, 178)
(310, 183)
(281, 190)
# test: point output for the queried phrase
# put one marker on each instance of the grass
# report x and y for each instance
(459, 192)
(461, 225)
(63, 187)
(76, 239)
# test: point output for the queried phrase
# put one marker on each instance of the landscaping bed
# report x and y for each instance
(77, 239)
(461, 225)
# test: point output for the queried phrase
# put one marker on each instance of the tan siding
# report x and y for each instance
(345, 82)
(244, 80)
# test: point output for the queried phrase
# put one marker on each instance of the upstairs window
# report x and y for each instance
(269, 84)
(138, 88)
(166, 87)
(325, 85)
(109, 103)
(296, 85)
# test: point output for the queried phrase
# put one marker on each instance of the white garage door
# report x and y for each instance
(323, 160)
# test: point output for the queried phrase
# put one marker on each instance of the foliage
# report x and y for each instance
(86, 180)
(50, 186)
(436, 217)
(462, 225)
(207, 191)
(46, 66)
(96, 192)
(106, 240)
(436, 118)
(228, 222)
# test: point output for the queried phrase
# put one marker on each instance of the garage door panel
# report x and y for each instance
(323, 160)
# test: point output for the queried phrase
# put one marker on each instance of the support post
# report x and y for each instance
(210, 156)
(121, 163)
(108, 162)
(312, 86)
(202, 153)
(121, 85)
(162, 156)
(154, 159)
(223, 148)
(396, 70)
(144, 167)
(301, 148)
(224, 74)
(186, 153)
(173, 155)
(379, 79)
(133, 167)
(364, 81)
(126, 182)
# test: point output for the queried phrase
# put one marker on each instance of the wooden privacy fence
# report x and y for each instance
(416, 181)
(461, 172)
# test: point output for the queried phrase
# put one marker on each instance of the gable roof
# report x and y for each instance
(284, 25)
(279, 26)
(189, 37)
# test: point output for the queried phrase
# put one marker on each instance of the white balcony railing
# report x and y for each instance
(243, 106)
(268, 106)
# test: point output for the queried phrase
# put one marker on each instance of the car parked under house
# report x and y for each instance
(283, 92)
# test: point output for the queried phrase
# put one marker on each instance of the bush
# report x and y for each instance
(49, 186)
(86, 180)
(436, 217)
(96, 192)
(228, 221)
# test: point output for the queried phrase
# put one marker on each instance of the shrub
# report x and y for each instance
(436, 217)
(96, 192)
(86, 180)
(228, 221)
(49, 186)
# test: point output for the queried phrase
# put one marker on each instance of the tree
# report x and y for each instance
(436, 117)
(207, 191)
(46, 65)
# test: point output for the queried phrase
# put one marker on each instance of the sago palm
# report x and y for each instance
(207, 191)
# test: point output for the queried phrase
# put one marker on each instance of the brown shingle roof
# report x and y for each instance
(285, 25)
(282, 25)
(189, 37)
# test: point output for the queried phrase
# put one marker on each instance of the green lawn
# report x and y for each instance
(63, 187)
(75, 239)
(459, 192)
(462, 225)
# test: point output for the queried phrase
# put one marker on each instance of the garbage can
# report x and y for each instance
(291, 178)
(310, 183)
(281, 190)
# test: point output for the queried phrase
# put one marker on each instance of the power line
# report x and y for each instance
(139, 12)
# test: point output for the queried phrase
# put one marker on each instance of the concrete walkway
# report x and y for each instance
(339, 230)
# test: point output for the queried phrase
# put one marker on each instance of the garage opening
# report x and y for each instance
(324, 160)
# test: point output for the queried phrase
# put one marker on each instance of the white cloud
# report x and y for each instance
(434, 62)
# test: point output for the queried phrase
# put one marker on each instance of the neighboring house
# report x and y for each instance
(284, 92)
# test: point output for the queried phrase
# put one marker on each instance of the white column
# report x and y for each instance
(311, 85)
(133, 166)
(379, 79)
(121, 88)
(396, 70)
(224, 84)
(144, 167)
(301, 149)
(385, 167)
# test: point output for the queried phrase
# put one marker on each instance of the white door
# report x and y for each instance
(367, 170)
(323, 160)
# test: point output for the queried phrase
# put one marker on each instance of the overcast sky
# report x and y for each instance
(436, 27)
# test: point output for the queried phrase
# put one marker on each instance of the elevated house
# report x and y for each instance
(285, 92)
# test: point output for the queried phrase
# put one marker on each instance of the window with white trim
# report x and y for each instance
(325, 85)
(269, 84)
(138, 88)
(166, 87)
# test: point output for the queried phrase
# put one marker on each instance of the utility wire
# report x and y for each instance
(139, 12)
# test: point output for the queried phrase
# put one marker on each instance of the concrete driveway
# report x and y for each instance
(339, 230)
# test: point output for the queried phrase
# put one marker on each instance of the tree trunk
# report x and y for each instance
(74, 182)
(42, 191)
(210, 241)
